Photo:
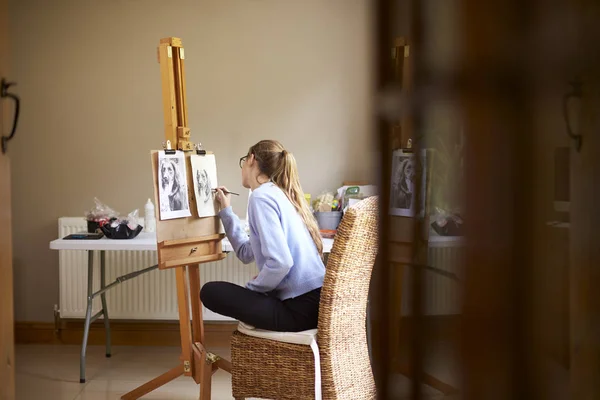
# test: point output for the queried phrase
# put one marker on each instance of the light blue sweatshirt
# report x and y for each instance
(285, 254)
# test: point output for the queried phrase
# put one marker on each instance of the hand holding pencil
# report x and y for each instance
(223, 196)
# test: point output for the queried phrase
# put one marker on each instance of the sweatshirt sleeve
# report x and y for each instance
(265, 221)
(236, 235)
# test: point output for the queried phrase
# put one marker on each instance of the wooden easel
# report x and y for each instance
(405, 248)
(184, 243)
(401, 131)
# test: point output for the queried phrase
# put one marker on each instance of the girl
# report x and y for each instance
(284, 241)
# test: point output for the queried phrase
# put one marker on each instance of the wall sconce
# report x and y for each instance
(4, 85)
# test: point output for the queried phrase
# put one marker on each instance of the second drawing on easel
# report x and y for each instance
(405, 172)
(204, 170)
(172, 186)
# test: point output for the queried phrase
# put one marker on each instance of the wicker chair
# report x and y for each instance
(266, 365)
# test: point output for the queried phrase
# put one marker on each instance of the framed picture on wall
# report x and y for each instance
(405, 172)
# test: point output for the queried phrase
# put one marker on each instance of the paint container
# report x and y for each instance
(328, 220)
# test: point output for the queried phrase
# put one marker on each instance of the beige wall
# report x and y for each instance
(297, 71)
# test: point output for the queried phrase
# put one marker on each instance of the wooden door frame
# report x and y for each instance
(7, 349)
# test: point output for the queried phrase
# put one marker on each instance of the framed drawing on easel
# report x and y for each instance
(204, 175)
(406, 169)
(172, 186)
(187, 240)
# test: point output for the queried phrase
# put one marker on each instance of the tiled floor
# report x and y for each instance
(51, 372)
(48, 372)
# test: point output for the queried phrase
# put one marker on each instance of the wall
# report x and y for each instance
(92, 108)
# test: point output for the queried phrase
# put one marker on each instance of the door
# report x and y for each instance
(512, 60)
(7, 352)
(585, 251)
(584, 271)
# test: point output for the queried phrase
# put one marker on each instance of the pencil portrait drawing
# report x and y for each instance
(405, 173)
(204, 170)
(172, 186)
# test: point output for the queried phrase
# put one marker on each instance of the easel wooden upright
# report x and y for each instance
(184, 243)
(407, 249)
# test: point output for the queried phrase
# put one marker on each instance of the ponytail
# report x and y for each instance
(288, 180)
(280, 165)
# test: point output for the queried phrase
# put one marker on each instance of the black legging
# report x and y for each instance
(263, 311)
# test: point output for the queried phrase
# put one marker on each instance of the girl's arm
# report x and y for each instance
(265, 220)
(236, 235)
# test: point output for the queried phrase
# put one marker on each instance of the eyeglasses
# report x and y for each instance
(243, 159)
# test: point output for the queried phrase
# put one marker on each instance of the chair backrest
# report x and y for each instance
(342, 312)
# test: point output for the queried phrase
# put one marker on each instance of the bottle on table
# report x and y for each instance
(149, 217)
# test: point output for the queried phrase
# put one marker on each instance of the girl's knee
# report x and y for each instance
(208, 292)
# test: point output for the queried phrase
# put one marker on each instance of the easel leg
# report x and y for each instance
(430, 380)
(103, 298)
(186, 345)
(88, 316)
(154, 383)
(197, 321)
(185, 329)
(396, 310)
(405, 369)
(224, 365)
(205, 385)
(200, 360)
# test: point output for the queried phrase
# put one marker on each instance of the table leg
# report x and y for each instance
(103, 298)
(88, 315)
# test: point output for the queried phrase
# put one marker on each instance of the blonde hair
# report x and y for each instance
(280, 166)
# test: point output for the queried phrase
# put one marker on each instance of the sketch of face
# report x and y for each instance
(170, 184)
(409, 172)
(167, 173)
(404, 176)
(204, 186)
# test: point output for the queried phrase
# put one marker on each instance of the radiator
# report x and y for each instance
(151, 296)
(442, 295)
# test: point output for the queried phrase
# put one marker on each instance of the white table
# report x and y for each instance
(145, 241)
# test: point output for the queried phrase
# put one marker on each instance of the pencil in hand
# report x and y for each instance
(227, 192)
